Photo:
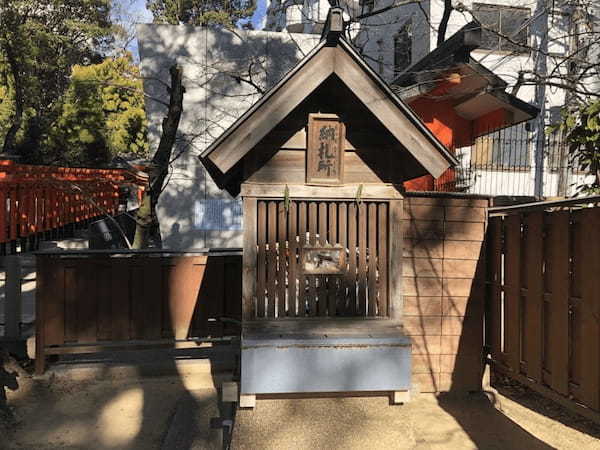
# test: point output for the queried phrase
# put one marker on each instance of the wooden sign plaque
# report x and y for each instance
(325, 150)
(322, 260)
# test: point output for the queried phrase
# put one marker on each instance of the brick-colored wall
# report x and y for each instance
(444, 290)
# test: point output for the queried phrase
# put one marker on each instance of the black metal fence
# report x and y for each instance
(503, 162)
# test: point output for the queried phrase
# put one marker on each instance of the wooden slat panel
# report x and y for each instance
(153, 294)
(362, 259)
(312, 230)
(332, 282)
(103, 289)
(120, 299)
(86, 298)
(302, 228)
(341, 294)
(137, 301)
(372, 259)
(533, 317)
(494, 334)
(70, 295)
(590, 308)
(281, 259)
(382, 262)
(352, 243)
(396, 255)
(293, 255)
(261, 262)
(54, 319)
(512, 292)
(558, 345)
(272, 259)
(321, 279)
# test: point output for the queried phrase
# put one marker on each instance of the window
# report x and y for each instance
(508, 148)
(403, 48)
(367, 6)
(497, 21)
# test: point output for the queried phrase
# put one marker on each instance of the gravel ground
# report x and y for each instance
(183, 412)
(472, 421)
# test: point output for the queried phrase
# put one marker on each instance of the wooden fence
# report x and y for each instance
(544, 299)
(37, 200)
(89, 300)
(360, 289)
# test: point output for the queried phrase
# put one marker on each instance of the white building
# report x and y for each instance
(540, 32)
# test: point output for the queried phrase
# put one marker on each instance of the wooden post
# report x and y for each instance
(249, 259)
(13, 296)
(396, 246)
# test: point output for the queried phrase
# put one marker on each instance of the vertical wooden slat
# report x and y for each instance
(590, 308)
(272, 259)
(249, 259)
(120, 298)
(332, 281)
(341, 294)
(495, 287)
(302, 228)
(86, 301)
(152, 293)
(261, 236)
(321, 279)
(558, 242)
(534, 318)
(351, 276)
(312, 230)
(512, 291)
(362, 259)
(281, 259)
(102, 282)
(382, 263)
(372, 259)
(293, 255)
(70, 298)
(43, 294)
(137, 313)
(55, 309)
(396, 249)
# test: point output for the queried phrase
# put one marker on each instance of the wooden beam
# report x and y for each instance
(396, 249)
(273, 110)
(349, 191)
(249, 260)
(395, 120)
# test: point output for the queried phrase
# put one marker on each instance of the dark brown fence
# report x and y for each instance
(90, 300)
(358, 230)
(544, 302)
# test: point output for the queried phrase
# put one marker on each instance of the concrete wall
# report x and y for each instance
(193, 211)
(443, 278)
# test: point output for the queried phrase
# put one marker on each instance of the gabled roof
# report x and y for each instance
(482, 91)
(333, 55)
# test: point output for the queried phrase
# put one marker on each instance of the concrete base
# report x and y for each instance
(353, 361)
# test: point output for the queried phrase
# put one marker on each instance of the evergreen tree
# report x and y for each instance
(200, 12)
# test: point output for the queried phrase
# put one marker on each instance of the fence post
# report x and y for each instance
(12, 289)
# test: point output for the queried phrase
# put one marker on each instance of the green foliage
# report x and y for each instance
(40, 40)
(582, 129)
(200, 12)
(102, 115)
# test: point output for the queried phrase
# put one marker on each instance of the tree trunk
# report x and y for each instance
(441, 37)
(147, 230)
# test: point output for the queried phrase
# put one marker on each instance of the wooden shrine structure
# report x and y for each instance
(319, 162)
